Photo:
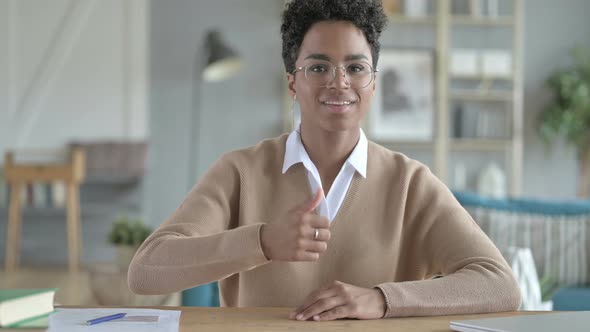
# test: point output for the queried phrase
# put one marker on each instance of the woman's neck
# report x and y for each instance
(329, 150)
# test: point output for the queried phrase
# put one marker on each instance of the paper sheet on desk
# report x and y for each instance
(74, 320)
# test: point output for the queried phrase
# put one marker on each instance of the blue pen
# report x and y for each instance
(105, 319)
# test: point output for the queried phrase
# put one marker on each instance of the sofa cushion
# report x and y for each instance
(572, 299)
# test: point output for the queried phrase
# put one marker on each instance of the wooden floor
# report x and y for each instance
(82, 288)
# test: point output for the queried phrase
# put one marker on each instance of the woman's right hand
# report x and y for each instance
(293, 239)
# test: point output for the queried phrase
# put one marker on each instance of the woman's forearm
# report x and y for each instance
(170, 261)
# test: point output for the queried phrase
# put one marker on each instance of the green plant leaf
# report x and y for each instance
(568, 114)
(127, 232)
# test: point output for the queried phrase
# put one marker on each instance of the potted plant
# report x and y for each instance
(127, 235)
(568, 114)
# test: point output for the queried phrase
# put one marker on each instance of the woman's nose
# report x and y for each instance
(340, 80)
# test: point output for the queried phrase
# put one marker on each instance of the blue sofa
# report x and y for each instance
(558, 233)
(201, 296)
(572, 299)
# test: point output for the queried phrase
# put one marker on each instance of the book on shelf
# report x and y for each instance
(23, 307)
(23, 196)
(36, 194)
(58, 194)
(29, 194)
(39, 192)
(484, 120)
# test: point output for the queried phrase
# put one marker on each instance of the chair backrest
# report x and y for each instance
(70, 170)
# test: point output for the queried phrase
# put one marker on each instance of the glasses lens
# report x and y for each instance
(359, 74)
(321, 73)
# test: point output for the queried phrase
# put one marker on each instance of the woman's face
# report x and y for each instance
(341, 103)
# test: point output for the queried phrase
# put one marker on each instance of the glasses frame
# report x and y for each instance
(304, 68)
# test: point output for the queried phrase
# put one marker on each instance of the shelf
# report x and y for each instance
(479, 144)
(402, 19)
(481, 78)
(414, 145)
(475, 95)
(86, 209)
(113, 179)
(490, 21)
(36, 212)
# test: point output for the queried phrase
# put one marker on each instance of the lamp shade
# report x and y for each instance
(222, 61)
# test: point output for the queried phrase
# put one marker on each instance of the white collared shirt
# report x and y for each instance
(357, 161)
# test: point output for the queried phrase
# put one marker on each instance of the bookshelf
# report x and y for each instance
(500, 93)
(485, 96)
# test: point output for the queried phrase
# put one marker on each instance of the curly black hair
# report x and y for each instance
(300, 15)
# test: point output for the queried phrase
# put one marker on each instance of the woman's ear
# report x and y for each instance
(291, 85)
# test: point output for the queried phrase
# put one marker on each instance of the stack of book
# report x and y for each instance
(38, 195)
(25, 307)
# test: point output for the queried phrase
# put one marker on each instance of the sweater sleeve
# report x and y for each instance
(444, 240)
(202, 241)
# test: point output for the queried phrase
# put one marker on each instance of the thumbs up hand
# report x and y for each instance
(301, 236)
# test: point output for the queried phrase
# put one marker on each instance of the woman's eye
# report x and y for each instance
(318, 68)
(355, 68)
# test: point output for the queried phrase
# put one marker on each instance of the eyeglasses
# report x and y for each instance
(321, 73)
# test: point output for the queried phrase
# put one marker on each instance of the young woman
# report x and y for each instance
(322, 219)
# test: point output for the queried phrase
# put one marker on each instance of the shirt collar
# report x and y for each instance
(295, 153)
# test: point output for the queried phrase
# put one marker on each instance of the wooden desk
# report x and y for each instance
(277, 319)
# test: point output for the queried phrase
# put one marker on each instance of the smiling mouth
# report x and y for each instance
(338, 103)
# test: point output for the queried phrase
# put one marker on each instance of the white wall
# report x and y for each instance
(234, 113)
(552, 29)
(72, 70)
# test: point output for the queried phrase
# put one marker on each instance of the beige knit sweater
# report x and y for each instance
(396, 229)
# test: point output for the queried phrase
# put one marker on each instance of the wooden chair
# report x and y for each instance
(71, 173)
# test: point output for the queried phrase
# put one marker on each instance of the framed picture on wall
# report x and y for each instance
(403, 106)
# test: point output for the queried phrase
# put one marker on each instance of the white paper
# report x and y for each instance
(74, 320)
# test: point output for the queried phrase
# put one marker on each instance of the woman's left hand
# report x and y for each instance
(340, 300)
